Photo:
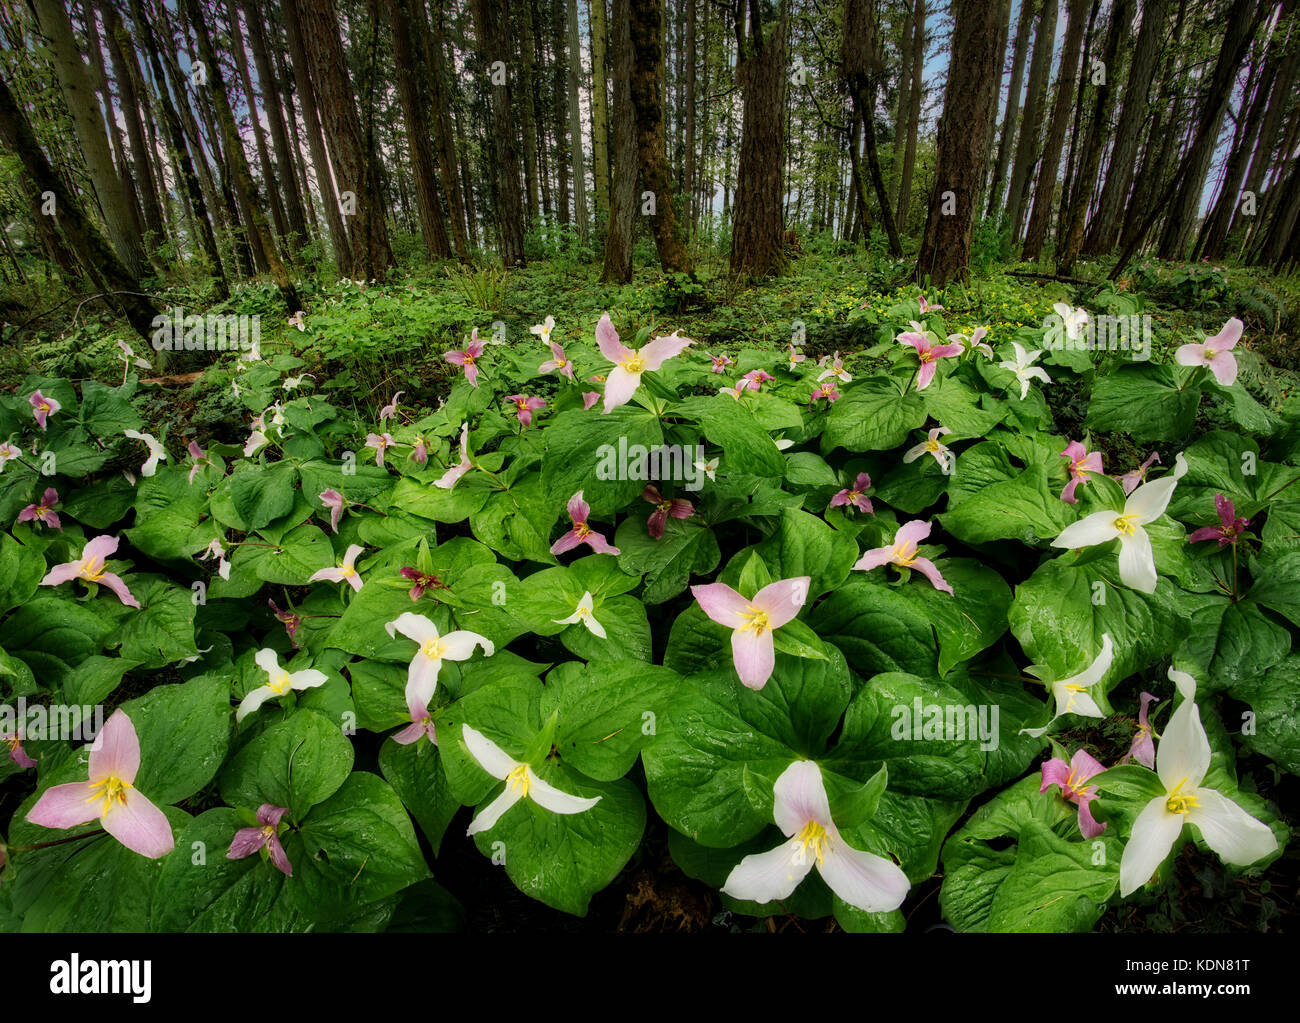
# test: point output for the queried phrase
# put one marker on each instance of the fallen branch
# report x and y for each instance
(1053, 277)
(177, 380)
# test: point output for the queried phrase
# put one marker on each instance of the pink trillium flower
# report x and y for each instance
(835, 369)
(1073, 780)
(1082, 464)
(91, 567)
(753, 380)
(381, 442)
(390, 410)
(334, 501)
(525, 407)
(110, 794)
(802, 811)
(827, 391)
(589, 398)
(579, 512)
(521, 781)
(265, 836)
(1215, 353)
(1130, 480)
(422, 674)
(346, 571)
(14, 740)
(43, 512)
(199, 460)
(721, 362)
(732, 392)
(1231, 525)
(8, 452)
(557, 361)
(42, 407)
(296, 320)
(936, 448)
(215, 550)
(927, 353)
(156, 451)
(902, 552)
(467, 357)
(289, 620)
(677, 507)
(421, 725)
(974, 343)
(448, 479)
(279, 682)
(795, 357)
(926, 307)
(752, 622)
(420, 452)
(855, 496)
(1143, 749)
(625, 377)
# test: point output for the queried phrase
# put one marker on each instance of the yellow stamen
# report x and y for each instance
(92, 569)
(108, 789)
(905, 553)
(280, 683)
(933, 445)
(346, 570)
(1126, 524)
(813, 837)
(433, 648)
(518, 779)
(756, 621)
(633, 364)
(1179, 801)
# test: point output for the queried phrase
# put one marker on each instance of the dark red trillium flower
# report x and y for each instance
(291, 622)
(677, 507)
(422, 581)
(1231, 525)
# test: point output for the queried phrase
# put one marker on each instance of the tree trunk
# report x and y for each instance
(1045, 189)
(1023, 28)
(968, 104)
(1280, 98)
(525, 101)
(494, 45)
(1121, 17)
(88, 126)
(1103, 232)
(914, 117)
(903, 107)
(600, 105)
(575, 128)
(1031, 126)
(274, 189)
(860, 63)
(559, 109)
(622, 213)
(757, 249)
(646, 28)
(101, 262)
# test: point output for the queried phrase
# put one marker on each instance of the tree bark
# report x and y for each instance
(1040, 67)
(494, 45)
(617, 268)
(1023, 28)
(600, 106)
(575, 129)
(914, 117)
(968, 104)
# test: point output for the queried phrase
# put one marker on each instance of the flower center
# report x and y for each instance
(346, 570)
(756, 621)
(92, 569)
(108, 789)
(518, 779)
(1076, 467)
(1077, 785)
(933, 445)
(633, 364)
(926, 355)
(1179, 801)
(813, 838)
(1075, 690)
(469, 359)
(582, 529)
(280, 683)
(43, 406)
(433, 648)
(905, 553)
(1126, 524)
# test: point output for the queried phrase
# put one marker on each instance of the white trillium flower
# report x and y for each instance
(130, 358)
(933, 446)
(156, 451)
(783, 442)
(1024, 369)
(1070, 694)
(521, 781)
(346, 572)
(280, 682)
(709, 468)
(422, 676)
(1182, 760)
(543, 329)
(256, 441)
(1076, 320)
(584, 613)
(802, 811)
(1137, 566)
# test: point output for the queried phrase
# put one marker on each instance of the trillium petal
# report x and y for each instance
(1230, 831)
(114, 583)
(1099, 527)
(1095, 671)
(308, 678)
(60, 574)
(661, 349)
(579, 510)
(763, 877)
(116, 750)
(1224, 367)
(253, 701)
(422, 677)
(1184, 750)
(607, 341)
(928, 569)
(721, 603)
(1137, 564)
(754, 656)
(412, 626)
(782, 600)
(278, 857)
(619, 387)
(268, 661)
(799, 796)
(567, 542)
(140, 826)
(548, 797)
(494, 811)
(874, 559)
(491, 757)
(864, 880)
(1154, 832)
(461, 643)
(246, 842)
(65, 806)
